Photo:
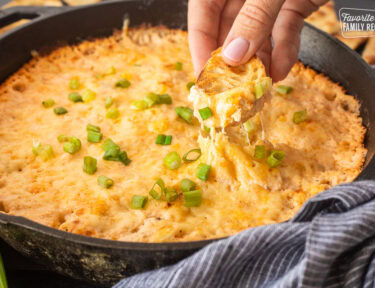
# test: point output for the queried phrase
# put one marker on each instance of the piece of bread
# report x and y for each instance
(325, 19)
(32, 3)
(230, 92)
(369, 52)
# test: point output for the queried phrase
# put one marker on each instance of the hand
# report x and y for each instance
(245, 28)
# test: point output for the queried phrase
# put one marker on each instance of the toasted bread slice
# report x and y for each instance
(325, 19)
(369, 52)
(233, 94)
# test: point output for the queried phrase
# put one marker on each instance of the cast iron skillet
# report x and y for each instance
(106, 261)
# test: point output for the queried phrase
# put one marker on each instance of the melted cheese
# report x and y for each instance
(240, 193)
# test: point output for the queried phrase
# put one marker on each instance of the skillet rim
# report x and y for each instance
(20, 221)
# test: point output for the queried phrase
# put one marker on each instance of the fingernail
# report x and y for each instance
(236, 49)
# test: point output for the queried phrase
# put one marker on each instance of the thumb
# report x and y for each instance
(251, 29)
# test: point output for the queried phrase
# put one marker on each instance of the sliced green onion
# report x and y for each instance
(203, 171)
(260, 152)
(168, 140)
(192, 151)
(89, 165)
(160, 139)
(105, 182)
(112, 113)
(138, 202)
(74, 84)
(72, 146)
(189, 85)
(249, 126)
(3, 278)
(48, 103)
(171, 194)
(185, 113)
(178, 66)
(109, 144)
(45, 152)
(88, 95)
(122, 83)
(205, 113)
(282, 89)
(172, 160)
(258, 90)
(187, 185)
(62, 138)
(164, 99)
(93, 128)
(139, 105)
(192, 198)
(108, 102)
(300, 116)
(152, 99)
(94, 137)
(112, 154)
(75, 97)
(155, 193)
(207, 129)
(60, 111)
(275, 158)
(124, 158)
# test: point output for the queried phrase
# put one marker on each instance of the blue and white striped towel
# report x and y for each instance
(329, 243)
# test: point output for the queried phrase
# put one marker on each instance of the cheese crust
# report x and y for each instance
(241, 192)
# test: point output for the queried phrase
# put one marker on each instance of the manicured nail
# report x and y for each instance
(236, 49)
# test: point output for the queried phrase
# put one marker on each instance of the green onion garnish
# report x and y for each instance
(45, 151)
(93, 128)
(282, 89)
(48, 103)
(260, 152)
(89, 165)
(171, 194)
(300, 116)
(172, 160)
(185, 113)
(88, 95)
(189, 85)
(249, 126)
(187, 185)
(73, 146)
(62, 138)
(205, 113)
(192, 198)
(163, 139)
(74, 84)
(108, 102)
(164, 99)
(114, 153)
(105, 182)
(139, 105)
(203, 171)
(3, 278)
(207, 129)
(112, 113)
(151, 99)
(60, 111)
(198, 153)
(138, 202)
(168, 140)
(258, 90)
(122, 83)
(275, 158)
(178, 66)
(94, 137)
(155, 193)
(75, 97)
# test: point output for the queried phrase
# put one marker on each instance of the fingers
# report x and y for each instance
(250, 30)
(228, 15)
(286, 35)
(203, 24)
(264, 54)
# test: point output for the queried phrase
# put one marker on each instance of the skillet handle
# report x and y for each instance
(13, 14)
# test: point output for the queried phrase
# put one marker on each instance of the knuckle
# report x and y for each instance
(255, 15)
(213, 6)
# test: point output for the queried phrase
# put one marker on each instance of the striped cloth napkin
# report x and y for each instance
(329, 243)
